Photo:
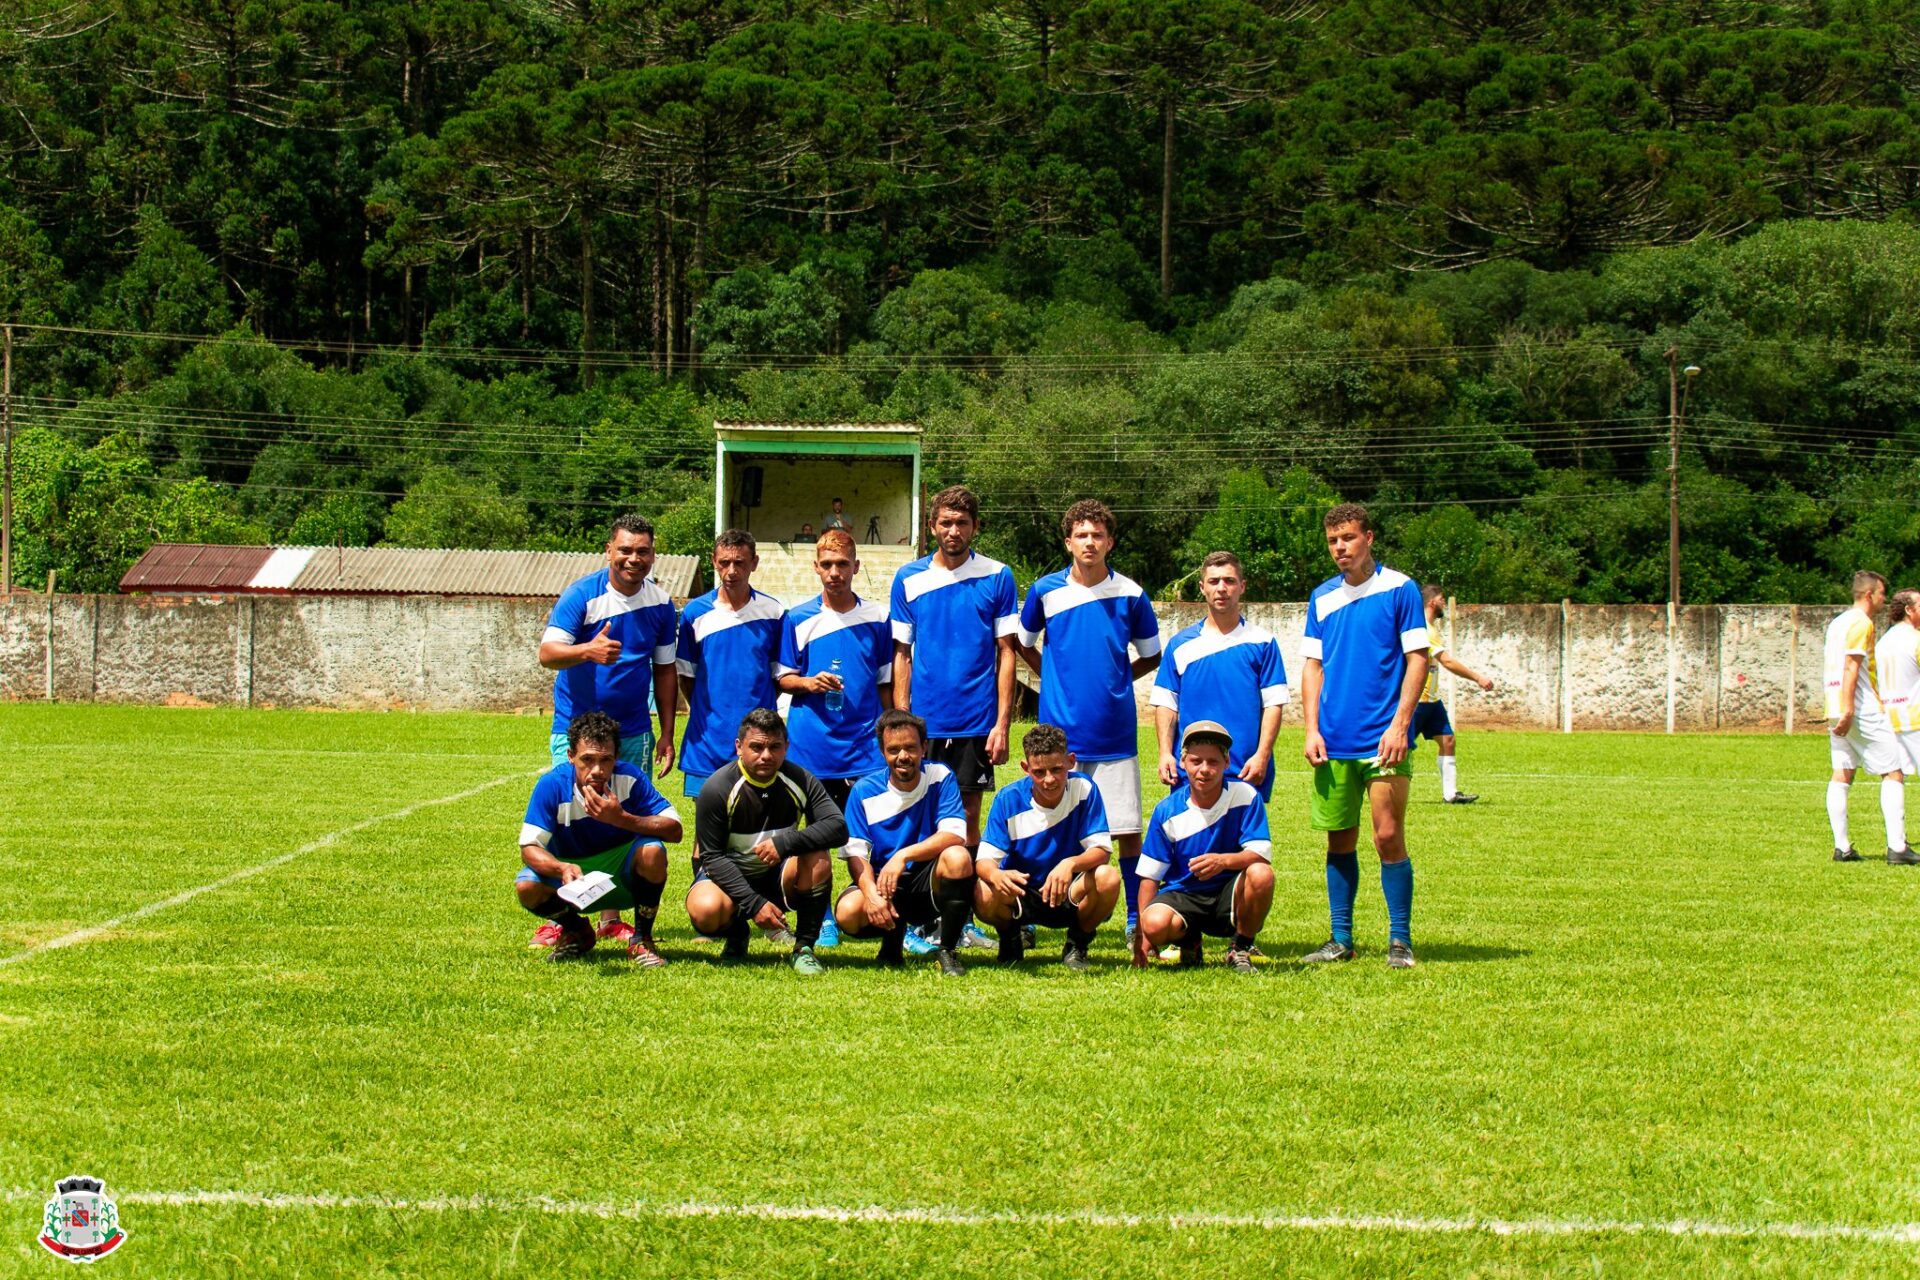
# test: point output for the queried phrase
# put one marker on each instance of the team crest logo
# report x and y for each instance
(82, 1224)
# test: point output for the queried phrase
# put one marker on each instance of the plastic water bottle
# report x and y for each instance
(836, 698)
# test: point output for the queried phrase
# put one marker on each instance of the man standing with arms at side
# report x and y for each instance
(1896, 661)
(1365, 655)
(1859, 734)
(610, 645)
(954, 614)
(836, 661)
(1090, 615)
(1430, 719)
(1227, 670)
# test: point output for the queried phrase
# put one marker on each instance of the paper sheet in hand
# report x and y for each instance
(587, 890)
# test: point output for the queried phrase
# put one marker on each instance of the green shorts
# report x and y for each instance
(635, 749)
(1340, 790)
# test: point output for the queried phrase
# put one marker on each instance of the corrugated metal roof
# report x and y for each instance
(176, 566)
(889, 428)
(181, 567)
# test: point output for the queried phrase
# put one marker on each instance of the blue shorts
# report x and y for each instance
(695, 781)
(1430, 721)
(636, 750)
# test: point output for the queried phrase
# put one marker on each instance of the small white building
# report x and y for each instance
(774, 478)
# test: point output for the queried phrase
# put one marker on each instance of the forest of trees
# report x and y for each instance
(483, 272)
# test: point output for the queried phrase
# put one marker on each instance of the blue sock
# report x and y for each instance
(1343, 885)
(1396, 881)
(1130, 882)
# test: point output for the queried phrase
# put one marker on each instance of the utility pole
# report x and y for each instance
(1676, 413)
(6, 467)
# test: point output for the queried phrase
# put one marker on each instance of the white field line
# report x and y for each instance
(1906, 1233)
(91, 932)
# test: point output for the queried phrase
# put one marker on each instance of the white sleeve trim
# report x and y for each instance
(989, 853)
(1031, 639)
(953, 827)
(1150, 868)
(556, 635)
(1007, 626)
(1414, 641)
(1274, 695)
(902, 632)
(1147, 648)
(885, 674)
(530, 834)
(1163, 697)
(684, 667)
(1310, 647)
(861, 849)
(1262, 847)
(666, 655)
(1097, 840)
(782, 669)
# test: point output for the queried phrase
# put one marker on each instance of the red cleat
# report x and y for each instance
(617, 931)
(545, 936)
(641, 952)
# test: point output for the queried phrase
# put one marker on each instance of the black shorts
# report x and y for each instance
(766, 884)
(1430, 721)
(1031, 908)
(1210, 913)
(967, 757)
(913, 900)
(841, 789)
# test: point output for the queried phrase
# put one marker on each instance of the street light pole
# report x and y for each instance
(6, 466)
(1676, 413)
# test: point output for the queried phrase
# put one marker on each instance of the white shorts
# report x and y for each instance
(1910, 743)
(1870, 744)
(1119, 783)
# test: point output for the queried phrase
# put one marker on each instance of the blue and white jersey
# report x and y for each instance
(881, 821)
(961, 614)
(1362, 636)
(641, 622)
(557, 818)
(1086, 682)
(836, 744)
(1230, 678)
(730, 656)
(1023, 835)
(1181, 831)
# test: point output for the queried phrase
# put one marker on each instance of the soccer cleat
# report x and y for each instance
(1191, 956)
(829, 932)
(616, 931)
(1460, 797)
(1903, 857)
(641, 952)
(1332, 949)
(1013, 947)
(1399, 955)
(1029, 935)
(1170, 952)
(1074, 958)
(781, 937)
(950, 966)
(890, 952)
(1131, 930)
(805, 964)
(1839, 855)
(545, 936)
(974, 937)
(919, 944)
(1239, 961)
(573, 943)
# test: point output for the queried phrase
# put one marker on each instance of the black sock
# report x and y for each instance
(646, 902)
(1081, 938)
(739, 929)
(1242, 942)
(809, 909)
(558, 908)
(893, 943)
(956, 908)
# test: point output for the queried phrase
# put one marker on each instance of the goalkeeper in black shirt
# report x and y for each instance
(763, 832)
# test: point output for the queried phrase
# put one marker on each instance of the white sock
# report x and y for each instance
(1893, 807)
(1449, 777)
(1837, 814)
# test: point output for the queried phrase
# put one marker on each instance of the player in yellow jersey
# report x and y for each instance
(1430, 718)
(1896, 667)
(1859, 734)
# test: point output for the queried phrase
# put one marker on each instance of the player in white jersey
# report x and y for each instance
(1859, 734)
(1896, 662)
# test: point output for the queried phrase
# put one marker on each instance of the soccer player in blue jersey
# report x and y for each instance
(905, 850)
(1090, 615)
(1225, 669)
(1365, 656)
(728, 651)
(836, 662)
(1044, 857)
(1207, 867)
(596, 812)
(610, 645)
(954, 614)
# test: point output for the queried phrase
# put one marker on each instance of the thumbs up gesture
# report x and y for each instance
(603, 648)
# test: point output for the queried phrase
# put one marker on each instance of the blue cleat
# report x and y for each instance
(829, 933)
(919, 944)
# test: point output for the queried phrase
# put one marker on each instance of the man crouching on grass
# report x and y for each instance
(596, 812)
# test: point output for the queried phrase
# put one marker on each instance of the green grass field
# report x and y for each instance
(1654, 1031)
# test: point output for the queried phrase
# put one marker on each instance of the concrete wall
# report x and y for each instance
(1734, 664)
